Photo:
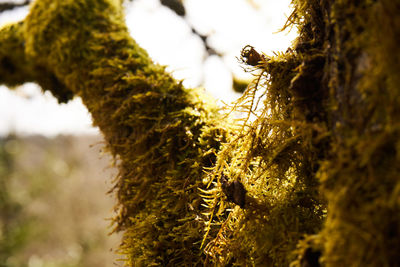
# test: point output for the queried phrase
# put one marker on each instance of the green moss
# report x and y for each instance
(160, 133)
(16, 68)
(274, 154)
(307, 176)
(360, 177)
(164, 136)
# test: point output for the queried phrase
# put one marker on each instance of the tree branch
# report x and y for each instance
(160, 133)
(9, 6)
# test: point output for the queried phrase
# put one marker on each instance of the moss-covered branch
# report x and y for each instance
(16, 67)
(311, 179)
(160, 133)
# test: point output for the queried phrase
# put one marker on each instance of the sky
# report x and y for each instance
(229, 24)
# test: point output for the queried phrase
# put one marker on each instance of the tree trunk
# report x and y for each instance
(360, 176)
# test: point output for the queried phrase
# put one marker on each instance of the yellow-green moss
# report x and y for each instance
(274, 154)
(360, 179)
(325, 142)
(16, 68)
(315, 148)
(160, 133)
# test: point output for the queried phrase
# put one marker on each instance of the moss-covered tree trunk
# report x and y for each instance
(312, 180)
(360, 176)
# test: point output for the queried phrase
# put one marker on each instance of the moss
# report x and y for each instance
(307, 175)
(160, 133)
(274, 154)
(163, 136)
(16, 68)
(360, 177)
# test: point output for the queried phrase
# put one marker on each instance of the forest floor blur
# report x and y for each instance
(54, 206)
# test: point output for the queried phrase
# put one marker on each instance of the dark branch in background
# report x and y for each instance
(210, 51)
(178, 8)
(10, 5)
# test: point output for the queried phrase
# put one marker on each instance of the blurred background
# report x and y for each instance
(54, 177)
(53, 202)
